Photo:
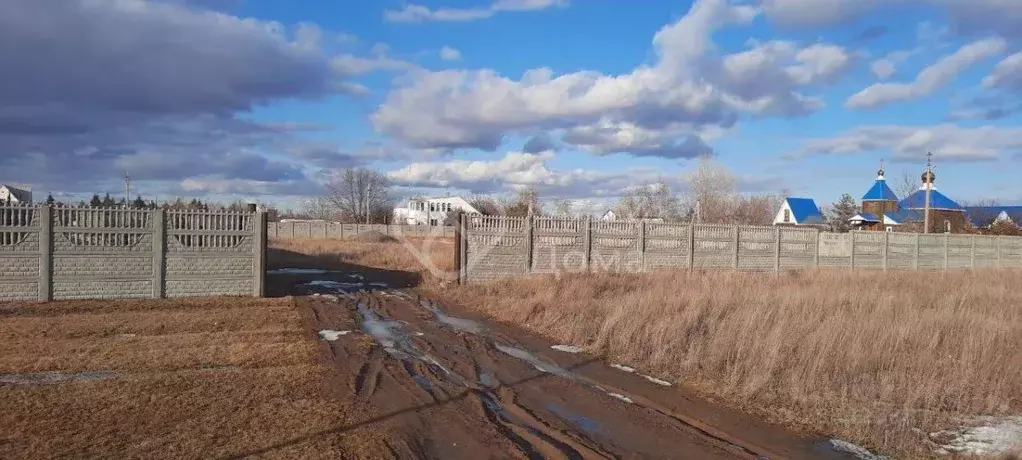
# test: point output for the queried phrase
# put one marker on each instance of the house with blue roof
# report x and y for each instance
(988, 217)
(799, 211)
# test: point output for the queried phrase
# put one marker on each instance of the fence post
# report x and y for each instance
(259, 254)
(887, 240)
(997, 240)
(588, 242)
(641, 246)
(915, 258)
(45, 252)
(734, 247)
(292, 225)
(851, 253)
(691, 246)
(947, 239)
(357, 230)
(528, 244)
(159, 251)
(462, 241)
(816, 249)
(777, 250)
(972, 255)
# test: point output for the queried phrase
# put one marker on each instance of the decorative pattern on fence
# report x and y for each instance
(496, 247)
(299, 230)
(100, 253)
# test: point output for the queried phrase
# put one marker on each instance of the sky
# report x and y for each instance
(582, 100)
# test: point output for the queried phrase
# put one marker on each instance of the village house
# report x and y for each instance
(10, 194)
(883, 211)
(432, 211)
(799, 212)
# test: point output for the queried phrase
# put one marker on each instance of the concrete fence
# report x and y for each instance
(293, 230)
(100, 253)
(495, 247)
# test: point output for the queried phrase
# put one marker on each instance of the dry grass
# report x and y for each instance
(205, 378)
(863, 356)
(420, 256)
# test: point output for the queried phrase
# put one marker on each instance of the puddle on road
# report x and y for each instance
(296, 271)
(336, 285)
(581, 421)
(331, 335)
(454, 322)
(396, 342)
(539, 364)
(53, 377)
(837, 449)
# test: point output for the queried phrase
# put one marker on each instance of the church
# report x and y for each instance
(883, 211)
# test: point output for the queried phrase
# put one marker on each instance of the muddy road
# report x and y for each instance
(423, 380)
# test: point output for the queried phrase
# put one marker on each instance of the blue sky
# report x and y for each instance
(581, 100)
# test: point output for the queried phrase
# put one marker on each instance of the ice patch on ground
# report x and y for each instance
(623, 368)
(296, 271)
(567, 348)
(657, 381)
(461, 324)
(994, 436)
(331, 335)
(621, 397)
(857, 452)
(379, 284)
(52, 377)
(539, 364)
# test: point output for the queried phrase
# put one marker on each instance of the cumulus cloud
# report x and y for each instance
(93, 87)
(420, 13)
(946, 141)
(450, 54)
(690, 87)
(930, 79)
(1007, 74)
(518, 169)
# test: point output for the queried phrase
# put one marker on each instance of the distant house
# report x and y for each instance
(609, 215)
(798, 211)
(15, 195)
(431, 211)
(987, 216)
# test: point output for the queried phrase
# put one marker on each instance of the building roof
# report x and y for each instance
(893, 218)
(879, 192)
(805, 210)
(917, 200)
(20, 194)
(982, 216)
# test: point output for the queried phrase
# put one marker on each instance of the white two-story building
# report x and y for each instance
(431, 211)
(15, 195)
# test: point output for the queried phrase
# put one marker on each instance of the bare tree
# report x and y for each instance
(713, 197)
(564, 208)
(359, 195)
(485, 205)
(648, 201)
(905, 185)
(524, 201)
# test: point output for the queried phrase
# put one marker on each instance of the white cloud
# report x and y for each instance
(946, 141)
(930, 79)
(517, 169)
(1007, 74)
(420, 13)
(450, 54)
(689, 88)
(812, 13)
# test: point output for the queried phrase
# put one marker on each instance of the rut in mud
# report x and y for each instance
(424, 382)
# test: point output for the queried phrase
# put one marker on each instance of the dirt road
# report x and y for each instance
(422, 380)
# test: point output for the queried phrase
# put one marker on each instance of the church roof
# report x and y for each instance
(805, 210)
(917, 200)
(880, 191)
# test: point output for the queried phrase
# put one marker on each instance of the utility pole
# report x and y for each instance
(883, 199)
(928, 185)
(127, 189)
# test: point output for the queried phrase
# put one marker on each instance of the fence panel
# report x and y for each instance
(714, 246)
(615, 247)
(901, 251)
(757, 247)
(798, 248)
(667, 245)
(868, 250)
(496, 247)
(559, 245)
(21, 258)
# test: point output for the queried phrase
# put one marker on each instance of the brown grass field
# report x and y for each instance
(868, 357)
(204, 378)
